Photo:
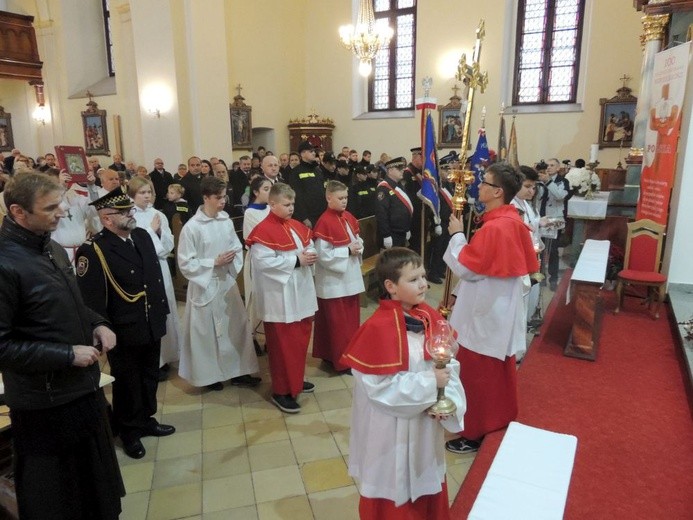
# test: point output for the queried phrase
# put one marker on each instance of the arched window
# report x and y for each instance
(391, 85)
(547, 57)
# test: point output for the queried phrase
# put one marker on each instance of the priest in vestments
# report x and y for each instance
(489, 314)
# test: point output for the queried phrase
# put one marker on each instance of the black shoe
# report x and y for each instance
(246, 380)
(163, 375)
(553, 285)
(217, 387)
(462, 445)
(258, 348)
(159, 430)
(435, 279)
(308, 387)
(134, 449)
(286, 403)
(346, 372)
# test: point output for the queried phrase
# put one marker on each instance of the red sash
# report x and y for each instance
(332, 227)
(399, 193)
(446, 196)
(275, 233)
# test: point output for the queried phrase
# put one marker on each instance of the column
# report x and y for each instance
(654, 26)
(157, 84)
(208, 77)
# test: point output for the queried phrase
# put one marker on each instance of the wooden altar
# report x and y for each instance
(312, 128)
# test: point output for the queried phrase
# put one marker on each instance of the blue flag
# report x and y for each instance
(479, 161)
(430, 183)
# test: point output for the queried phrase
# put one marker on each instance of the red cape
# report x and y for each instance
(275, 233)
(380, 345)
(332, 227)
(502, 247)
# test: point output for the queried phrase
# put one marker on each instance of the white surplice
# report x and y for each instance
(338, 273)
(489, 314)
(283, 292)
(163, 243)
(217, 344)
(79, 219)
(396, 450)
(251, 218)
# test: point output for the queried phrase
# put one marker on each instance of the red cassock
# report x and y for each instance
(501, 248)
(287, 343)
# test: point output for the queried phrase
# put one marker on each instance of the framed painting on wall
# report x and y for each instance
(6, 137)
(617, 120)
(451, 122)
(95, 130)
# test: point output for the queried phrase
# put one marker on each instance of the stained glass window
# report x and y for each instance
(549, 34)
(391, 85)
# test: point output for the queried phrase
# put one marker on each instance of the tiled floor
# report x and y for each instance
(236, 456)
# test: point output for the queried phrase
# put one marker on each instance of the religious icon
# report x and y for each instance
(618, 118)
(95, 130)
(451, 121)
(6, 138)
(241, 122)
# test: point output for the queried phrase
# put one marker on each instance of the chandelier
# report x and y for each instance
(367, 38)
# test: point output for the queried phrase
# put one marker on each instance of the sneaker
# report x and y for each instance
(286, 403)
(308, 387)
(217, 387)
(246, 380)
(462, 445)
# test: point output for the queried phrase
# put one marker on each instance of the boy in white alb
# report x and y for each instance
(338, 279)
(217, 344)
(282, 253)
(396, 448)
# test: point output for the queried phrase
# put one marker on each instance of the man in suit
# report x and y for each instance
(160, 179)
(119, 276)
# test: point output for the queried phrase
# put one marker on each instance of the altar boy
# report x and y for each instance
(397, 454)
(282, 253)
(338, 279)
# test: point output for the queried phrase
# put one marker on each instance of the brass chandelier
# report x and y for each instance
(366, 38)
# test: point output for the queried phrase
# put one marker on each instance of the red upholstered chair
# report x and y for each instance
(642, 263)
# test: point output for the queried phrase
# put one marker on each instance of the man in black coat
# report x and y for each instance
(309, 185)
(119, 275)
(64, 461)
(394, 209)
(161, 179)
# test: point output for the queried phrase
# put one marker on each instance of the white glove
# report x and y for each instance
(408, 235)
(438, 230)
(387, 242)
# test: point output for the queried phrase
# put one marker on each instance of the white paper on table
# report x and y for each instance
(529, 476)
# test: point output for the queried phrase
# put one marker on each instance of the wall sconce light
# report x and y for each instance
(41, 115)
(156, 99)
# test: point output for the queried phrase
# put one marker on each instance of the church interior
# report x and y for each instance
(164, 78)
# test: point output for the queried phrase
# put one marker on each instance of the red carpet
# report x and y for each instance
(629, 410)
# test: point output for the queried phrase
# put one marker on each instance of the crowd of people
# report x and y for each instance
(87, 270)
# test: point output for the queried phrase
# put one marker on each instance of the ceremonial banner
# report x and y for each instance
(431, 181)
(479, 161)
(661, 140)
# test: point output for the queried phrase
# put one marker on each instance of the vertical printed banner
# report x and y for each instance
(661, 140)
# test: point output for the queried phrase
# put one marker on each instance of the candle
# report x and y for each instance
(594, 150)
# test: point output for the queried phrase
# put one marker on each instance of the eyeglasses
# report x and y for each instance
(490, 184)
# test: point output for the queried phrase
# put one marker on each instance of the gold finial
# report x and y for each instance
(625, 78)
(238, 89)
